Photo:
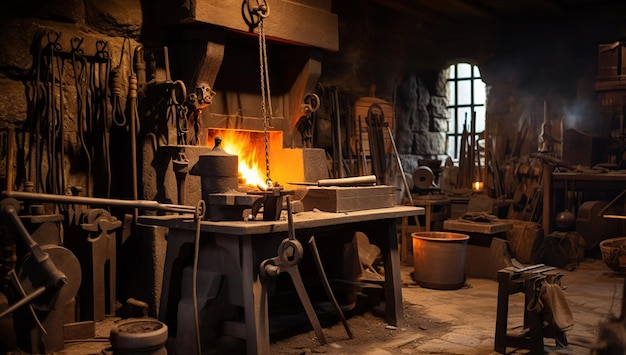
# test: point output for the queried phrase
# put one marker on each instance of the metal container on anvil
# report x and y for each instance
(218, 173)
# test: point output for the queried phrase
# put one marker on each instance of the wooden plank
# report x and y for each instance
(477, 227)
(302, 220)
(287, 21)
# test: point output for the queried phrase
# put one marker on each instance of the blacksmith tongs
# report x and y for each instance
(290, 253)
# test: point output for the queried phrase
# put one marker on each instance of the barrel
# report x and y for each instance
(439, 259)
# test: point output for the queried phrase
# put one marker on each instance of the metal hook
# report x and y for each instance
(311, 103)
(76, 43)
(101, 51)
(53, 42)
(183, 92)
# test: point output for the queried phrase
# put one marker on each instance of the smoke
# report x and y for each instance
(581, 116)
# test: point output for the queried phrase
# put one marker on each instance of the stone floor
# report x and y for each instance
(463, 321)
(446, 322)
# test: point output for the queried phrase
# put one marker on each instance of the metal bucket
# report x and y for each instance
(439, 259)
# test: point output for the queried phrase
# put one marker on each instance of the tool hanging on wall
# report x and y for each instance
(98, 116)
(44, 122)
(338, 170)
(79, 65)
(44, 131)
(306, 123)
(375, 121)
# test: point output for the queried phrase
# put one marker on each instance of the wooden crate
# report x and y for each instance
(346, 199)
(611, 59)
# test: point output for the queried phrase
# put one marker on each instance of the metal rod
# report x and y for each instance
(38, 292)
(329, 291)
(608, 205)
(80, 200)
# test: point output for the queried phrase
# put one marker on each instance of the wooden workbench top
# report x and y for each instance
(309, 219)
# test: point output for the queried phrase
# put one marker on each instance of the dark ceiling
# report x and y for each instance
(496, 12)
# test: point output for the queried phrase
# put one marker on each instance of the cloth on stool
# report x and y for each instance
(549, 300)
(482, 217)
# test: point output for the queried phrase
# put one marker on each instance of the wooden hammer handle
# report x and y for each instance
(349, 181)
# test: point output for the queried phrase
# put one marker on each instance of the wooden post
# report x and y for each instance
(546, 186)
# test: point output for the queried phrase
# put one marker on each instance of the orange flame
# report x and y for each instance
(477, 186)
(246, 145)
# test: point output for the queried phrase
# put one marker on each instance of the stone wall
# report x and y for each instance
(523, 65)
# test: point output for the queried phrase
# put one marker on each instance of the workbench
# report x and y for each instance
(237, 248)
(610, 182)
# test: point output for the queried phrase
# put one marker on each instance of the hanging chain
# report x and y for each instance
(266, 96)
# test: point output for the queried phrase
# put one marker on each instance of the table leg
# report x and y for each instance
(393, 279)
(255, 303)
(175, 241)
(427, 217)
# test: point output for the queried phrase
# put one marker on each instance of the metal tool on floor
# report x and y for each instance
(329, 291)
(290, 253)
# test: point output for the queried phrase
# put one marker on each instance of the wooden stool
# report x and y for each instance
(435, 210)
(511, 281)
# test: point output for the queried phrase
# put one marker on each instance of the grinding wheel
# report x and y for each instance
(423, 178)
(31, 277)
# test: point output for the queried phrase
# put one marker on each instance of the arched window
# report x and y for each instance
(466, 94)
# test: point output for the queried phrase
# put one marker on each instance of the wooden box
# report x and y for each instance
(611, 59)
(346, 199)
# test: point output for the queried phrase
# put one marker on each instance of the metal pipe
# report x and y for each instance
(80, 200)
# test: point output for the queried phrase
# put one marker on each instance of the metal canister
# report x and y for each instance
(218, 173)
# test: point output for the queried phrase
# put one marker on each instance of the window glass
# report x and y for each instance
(465, 70)
(464, 92)
(480, 118)
(465, 118)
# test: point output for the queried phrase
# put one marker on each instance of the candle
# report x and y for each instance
(477, 186)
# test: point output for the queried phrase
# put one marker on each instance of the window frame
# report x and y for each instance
(453, 137)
